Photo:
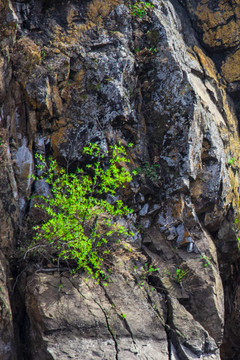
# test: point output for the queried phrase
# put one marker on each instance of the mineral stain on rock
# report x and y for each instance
(167, 81)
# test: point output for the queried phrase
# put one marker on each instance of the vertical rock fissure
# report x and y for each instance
(169, 343)
(20, 321)
(172, 335)
(126, 325)
(168, 328)
(109, 329)
(164, 324)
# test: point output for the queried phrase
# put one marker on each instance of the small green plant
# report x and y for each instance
(140, 9)
(206, 260)
(151, 269)
(238, 239)
(60, 286)
(166, 272)
(80, 221)
(146, 52)
(147, 270)
(149, 170)
(42, 55)
(236, 226)
(152, 51)
(179, 275)
(231, 161)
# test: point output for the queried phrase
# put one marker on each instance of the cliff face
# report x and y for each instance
(168, 81)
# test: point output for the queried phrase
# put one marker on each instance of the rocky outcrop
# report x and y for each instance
(167, 81)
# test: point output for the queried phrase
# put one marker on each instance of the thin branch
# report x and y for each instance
(34, 247)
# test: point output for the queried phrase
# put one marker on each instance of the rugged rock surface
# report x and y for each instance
(74, 72)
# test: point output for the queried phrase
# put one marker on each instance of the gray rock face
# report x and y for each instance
(73, 73)
(84, 320)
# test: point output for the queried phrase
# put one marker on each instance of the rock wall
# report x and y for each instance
(168, 81)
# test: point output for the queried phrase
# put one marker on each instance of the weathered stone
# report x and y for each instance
(194, 340)
(93, 72)
(24, 170)
(84, 319)
(7, 346)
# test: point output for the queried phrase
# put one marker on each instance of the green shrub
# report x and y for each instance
(151, 171)
(180, 274)
(206, 260)
(80, 221)
(140, 9)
